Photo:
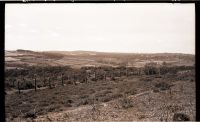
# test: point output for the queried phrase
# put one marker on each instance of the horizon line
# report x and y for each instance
(102, 51)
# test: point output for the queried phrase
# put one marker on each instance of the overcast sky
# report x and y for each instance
(130, 27)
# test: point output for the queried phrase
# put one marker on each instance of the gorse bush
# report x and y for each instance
(27, 85)
(125, 102)
(162, 86)
(150, 68)
(181, 117)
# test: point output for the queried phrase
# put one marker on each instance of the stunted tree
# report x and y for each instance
(151, 68)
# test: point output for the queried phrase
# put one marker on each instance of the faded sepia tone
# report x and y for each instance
(100, 62)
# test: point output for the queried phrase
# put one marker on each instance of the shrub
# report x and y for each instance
(131, 91)
(70, 101)
(146, 79)
(53, 107)
(69, 82)
(83, 102)
(27, 85)
(150, 68)
(126, 102)
(84, 96)
(8, 85)
(30, 114)
(181, 117)
(94, 79)
(155, 90)
(162, 86)
(66, 104)
(110, 96)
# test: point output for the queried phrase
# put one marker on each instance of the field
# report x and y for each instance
(97, 86)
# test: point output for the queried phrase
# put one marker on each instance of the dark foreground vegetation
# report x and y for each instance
(30, 77)
(32, 90)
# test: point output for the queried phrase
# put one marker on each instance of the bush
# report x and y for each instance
(70, 101)
(109, 97)
(30, 114)
(150, 68)
(27, 85)
(8, 85)
(125, 102)
(146, 79)
(94, 79)
(84, 102)
(162, 86)
(53, 107)
(131, 91)
(84, 96)
(181, 117)
(69, 82)
(66, 104)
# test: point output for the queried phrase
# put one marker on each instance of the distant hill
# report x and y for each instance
(80, 58)
(24, 51)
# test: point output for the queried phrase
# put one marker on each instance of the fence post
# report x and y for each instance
(35, 84)
(18, 87)
(68, 77)
(62, 79)
(49, 83)
(74, 78)
(44, 82)
(13, 82)
(126, 71)
(95, 74)
(86, 77)
(140, 71)
(159, 70)
(104, 75)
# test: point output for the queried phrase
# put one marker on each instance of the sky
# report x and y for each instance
(103, 27)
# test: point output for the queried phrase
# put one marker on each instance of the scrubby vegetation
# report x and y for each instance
(32, 91)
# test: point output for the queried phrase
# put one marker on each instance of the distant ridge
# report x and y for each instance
(99, 52)
(24, 51)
